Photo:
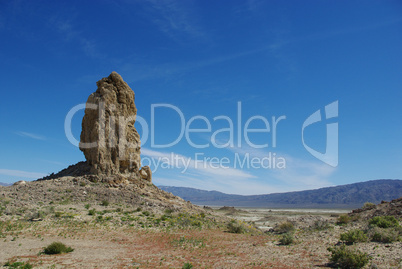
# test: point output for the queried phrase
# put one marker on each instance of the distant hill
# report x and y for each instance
(5, 184)
(343, 196)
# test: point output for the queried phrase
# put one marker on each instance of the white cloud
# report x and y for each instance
(31, 135)
(225, 185)
(303, 175)
(299, 174)
(19, 173)
(199, 166)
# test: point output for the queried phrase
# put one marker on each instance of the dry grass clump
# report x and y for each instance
(284, 227)
(57, 248)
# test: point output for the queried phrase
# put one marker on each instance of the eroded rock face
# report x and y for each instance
(109, 140)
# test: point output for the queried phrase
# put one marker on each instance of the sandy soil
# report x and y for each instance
(152, 229)
(101, 245)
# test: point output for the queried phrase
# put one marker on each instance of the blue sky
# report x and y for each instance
(207, 58)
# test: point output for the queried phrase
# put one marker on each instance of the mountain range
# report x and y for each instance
(343, 196)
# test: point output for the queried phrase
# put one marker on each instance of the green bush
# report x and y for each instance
(286, 239)
(343, 219)
(235, 227)
(105, 203)
(384, 235)
(146, 213)
(353, 236)
(57, 248)
(168, 211)
(368, 205)
(87, 206)
(285, 227)
(384, 221)
(18, 265)
(164, 217)
(347, 258)
(187, 265)
(92, 212)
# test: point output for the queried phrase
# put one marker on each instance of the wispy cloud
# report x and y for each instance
(184, 171)
(174, 18)
(52, 162)
(225, 185)
(187, 172)
(69, 32)
(189, 165)
(31, 135)
(19, 173)
(303, 174)
(299, 174)
(146, 70)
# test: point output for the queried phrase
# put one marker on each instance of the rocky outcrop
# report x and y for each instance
(146, 173)
(109, 140)
(75, 170)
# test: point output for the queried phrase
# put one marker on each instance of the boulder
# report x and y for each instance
(146, 173)
(21, 182)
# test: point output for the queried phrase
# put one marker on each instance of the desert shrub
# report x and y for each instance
(399, 230)
(368, 205)
(187, 265)
(57, 248)
(353, 236)
(92, 212)
(18, 265)
(285, 227)
(105, 203)
(286, 239)
(235, 227)
(344, 257)
(58, 214)
(343, 219)
(146, 213)
(320, 225)
(384, 221)
(168, 211)
(384, 235)
(87, 206)
(36, 215)
(196, 223)
(164, 217)
(83, 184)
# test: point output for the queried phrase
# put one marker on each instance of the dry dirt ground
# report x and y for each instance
(145, 232)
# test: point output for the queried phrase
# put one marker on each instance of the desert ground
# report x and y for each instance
(109, 228)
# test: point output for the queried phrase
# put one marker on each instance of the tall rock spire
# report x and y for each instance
(109, 140)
